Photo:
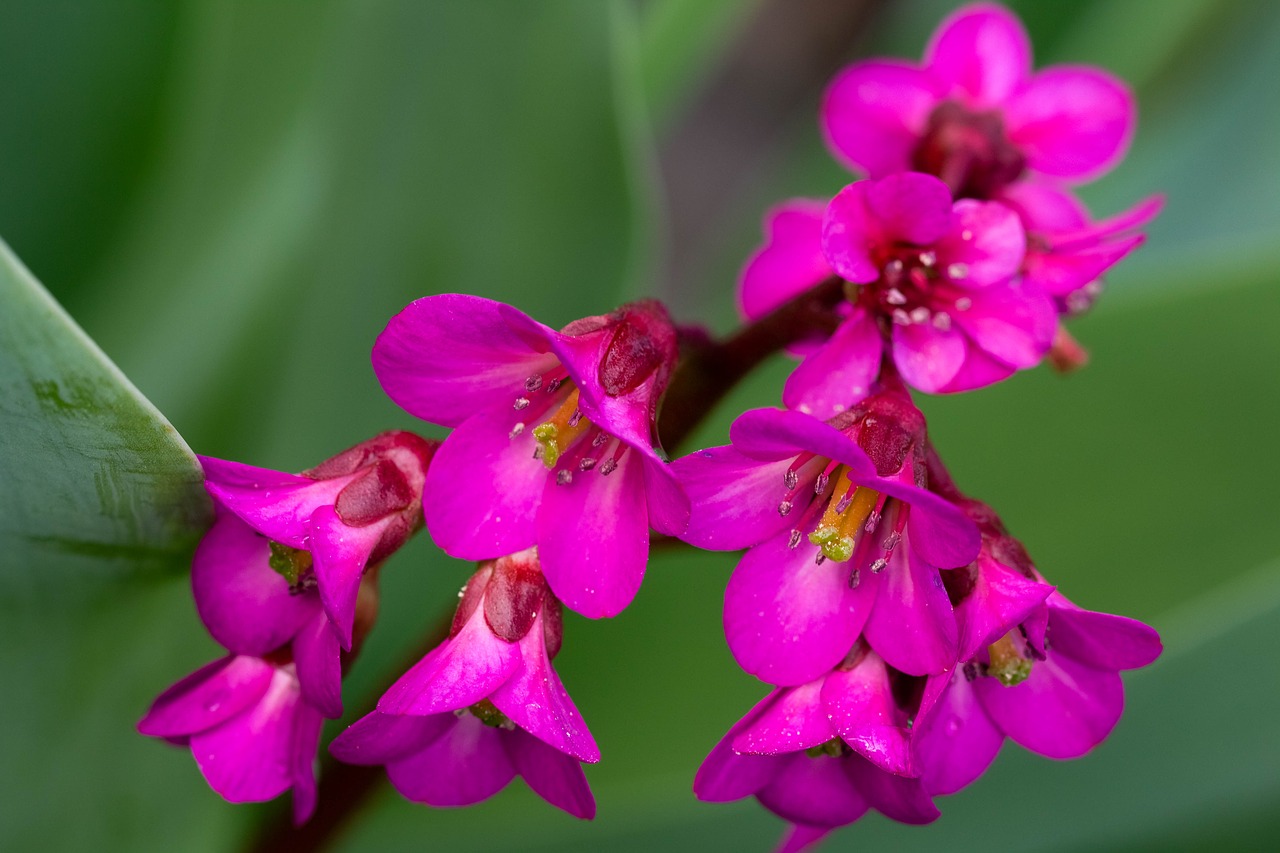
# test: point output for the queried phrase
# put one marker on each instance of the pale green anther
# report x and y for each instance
(486, 712)
(834, 747)
(1011, 672)
(834, 546)
(289, 563)
(546, 435)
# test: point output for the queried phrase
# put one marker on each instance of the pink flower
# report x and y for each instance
(973, 113)
(844, 539)
(1037, 669)
(810, 777)
(932, 282)
(250, 730)
(322, 528)
(555, 437)
(485, 705)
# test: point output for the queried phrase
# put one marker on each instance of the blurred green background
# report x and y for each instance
(233, 197)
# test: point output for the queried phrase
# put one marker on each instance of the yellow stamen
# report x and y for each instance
(1007, 662)
(561, 430)
(839, 527)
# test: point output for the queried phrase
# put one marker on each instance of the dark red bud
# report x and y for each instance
(381, 491)
(552, 624)
(891, 427)
(514, 596)
(643, 344)
(472, 594)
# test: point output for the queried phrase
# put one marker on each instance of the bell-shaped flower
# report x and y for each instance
(484, 706)
(555, 440)
(250, 729)
(975, 115)
(810, 777)
(1037, 668)
(843, 537)
(323, 528)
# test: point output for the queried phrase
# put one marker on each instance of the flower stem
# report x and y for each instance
(710, 369)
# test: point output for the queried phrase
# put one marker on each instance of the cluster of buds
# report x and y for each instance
(903, 631)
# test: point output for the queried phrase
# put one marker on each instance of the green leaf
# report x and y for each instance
(96, 483)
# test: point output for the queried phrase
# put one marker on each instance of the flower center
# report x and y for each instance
(847, 514)
(294, 565)
(913, 288)
(969, 151)
(488, 713)
(1008, 664)
(566, 441)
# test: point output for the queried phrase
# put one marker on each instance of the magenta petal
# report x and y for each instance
(982, 51)
(978, 371)
(207, 697)
(849, 232)
(665, 498)
(465, 765)
(840, 372)
(789, 619)
(940, 533)
(860, 706)
(770, 434)
(378, 738)
(912, 625)
(1072, 122)
(1062, 273)
(444, 358)
(593, 537)
(987, 240)
(535, 700)
(1043, 206)
(814, 791)
(249, 757)
(792, 721)
(874, 112)
(734, 498)
(340, 554)
(245, 605)
(911, 207)
(927, 357)
(306, 739)
(957, 741)
(999, 600)
(1063, 709)
(317, 657)
(485, 487)
(900, 798)
(1090, 234)
(790, 262)
(459, 672)
(554, 776)
(275, 504)
(1101, 640)
(726, 775)
(1013, 323)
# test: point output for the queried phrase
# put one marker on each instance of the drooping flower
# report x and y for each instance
(843, 537)
(555, 439)
(810, 777)
(250, 729)
(973, 113)
(323, 528)
(932, 283)
(1037, 668)
(485, 705)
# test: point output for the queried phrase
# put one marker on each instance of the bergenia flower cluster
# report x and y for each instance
(902, 632)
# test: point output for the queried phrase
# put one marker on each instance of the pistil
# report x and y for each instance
(847, 509)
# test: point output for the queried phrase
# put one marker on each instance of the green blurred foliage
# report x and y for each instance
(233, 197)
